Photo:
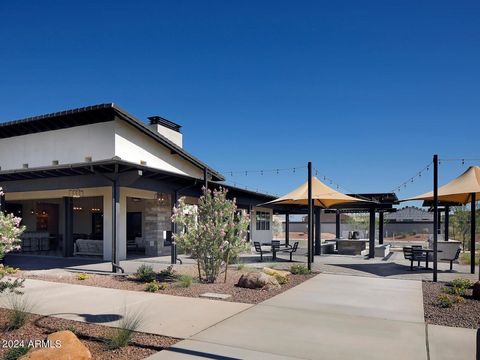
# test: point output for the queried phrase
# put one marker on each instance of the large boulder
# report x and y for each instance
(258, 280)
(476, 290)
(64, 345)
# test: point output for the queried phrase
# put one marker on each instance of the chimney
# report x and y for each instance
(166, 128)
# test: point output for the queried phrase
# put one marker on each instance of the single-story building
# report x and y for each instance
(88, 178)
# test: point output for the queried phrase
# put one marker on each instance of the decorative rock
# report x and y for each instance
(69, 347)
(215, 296)
(476, 290)
(273, 272)
(258, 280)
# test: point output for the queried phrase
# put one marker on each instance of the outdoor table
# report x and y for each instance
(273, 250)
(428, 251)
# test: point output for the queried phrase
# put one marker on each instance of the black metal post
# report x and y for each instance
(310, 217)
(435, 217)
(115, 224)
(318, 232)
(371, 234)
(205, 178)
(287, 229)
(68, 227)
(380, 227)
(447, 222)
(337, 224)
(472, 232)
(2, 202)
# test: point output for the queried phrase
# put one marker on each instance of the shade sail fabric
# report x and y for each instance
(322, 195)
(458, 190)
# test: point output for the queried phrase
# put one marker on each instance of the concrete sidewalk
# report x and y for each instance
(168, 315)
(330, 317)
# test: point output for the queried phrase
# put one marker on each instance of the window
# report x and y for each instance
(263, 220)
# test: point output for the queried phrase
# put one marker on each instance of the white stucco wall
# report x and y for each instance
(172, 135)
(133, 146)
(68, 146)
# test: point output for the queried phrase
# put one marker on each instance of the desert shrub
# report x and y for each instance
(213, 232)
(121, 336)
(155, 286)
(299, 269)
(73, 329)
(444, 301)
(145, 273)
(82, 276)
(282, 279)
(168, 274)
(459, 299)
(456, 291)
(19, 307)
(16, 353)
(461, 283)
(185, 281)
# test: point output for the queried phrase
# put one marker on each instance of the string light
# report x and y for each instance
(418, 174)
(263, 171)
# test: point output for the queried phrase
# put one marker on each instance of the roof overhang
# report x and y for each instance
(92, 115)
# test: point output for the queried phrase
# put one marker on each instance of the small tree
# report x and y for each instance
(212, 232)
(10, 231)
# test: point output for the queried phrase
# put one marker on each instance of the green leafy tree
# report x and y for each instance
(212, 232)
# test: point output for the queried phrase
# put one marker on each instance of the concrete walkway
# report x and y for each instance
(168, 315)
(331, 317)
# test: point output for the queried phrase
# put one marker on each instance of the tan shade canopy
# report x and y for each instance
(322, 195)
(458, 190)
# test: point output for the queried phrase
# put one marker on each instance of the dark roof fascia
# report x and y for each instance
(85, 168)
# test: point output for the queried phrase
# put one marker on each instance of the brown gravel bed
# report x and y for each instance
(93, 336)
(462, 314)
(241, 295)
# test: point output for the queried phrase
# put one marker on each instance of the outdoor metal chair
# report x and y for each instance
(291, 249)
(258, 249)
(414, 253)
(452, 259)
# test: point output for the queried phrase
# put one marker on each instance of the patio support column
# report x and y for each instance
(318, 229)
(115, 224)
(380, 227)
(2, 202)
(337, 224)
(205, 178)
(447, 222)
(472, 233)
(435, 216)
(310, 217)
(371, 234)
(68, 227)
(287, 229)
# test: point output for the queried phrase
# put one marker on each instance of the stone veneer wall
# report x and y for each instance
(156, 220)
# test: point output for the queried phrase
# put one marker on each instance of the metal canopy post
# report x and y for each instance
(472, 233)
(310, 217)
(380, 227)
(371, 234)
(287, 229)
(435, 217)
(115, 224)
(447, 222)
(68, 227)
(337, 224)
(318, 232)
(173, 245)
(2, 202)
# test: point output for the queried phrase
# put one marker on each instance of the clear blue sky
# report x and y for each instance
(367, 90)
